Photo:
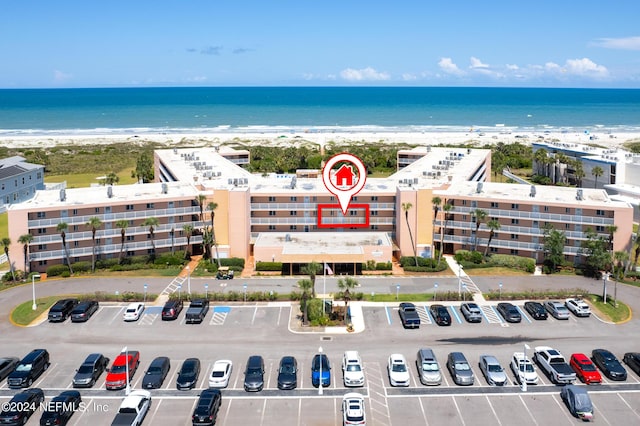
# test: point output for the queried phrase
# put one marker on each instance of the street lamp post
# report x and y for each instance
(522, 369)
(435, 290)
(206, 291)
(189, 280)
(500, 290)
(604, 287)
(125, 350)
(145, 292)
(245, 292)
(180, 291)
(459, 280)
(464, 294)
(33, 287)
(397, 290)
(320, 377)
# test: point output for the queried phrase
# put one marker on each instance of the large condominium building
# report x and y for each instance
(19, 180)
(294, 219)
(116, 207)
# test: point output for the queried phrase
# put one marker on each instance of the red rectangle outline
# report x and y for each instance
(344, 225)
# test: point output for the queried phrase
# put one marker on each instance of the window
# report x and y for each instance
(374, 227)
(42, 246)
(293, 198)
(150, 205)
(567, 226)
(272, 227)
(567, 210)
(39, 175)
(546, 208)
(494, 205)
(75, 212)
(354, 198)
(131, 237)
(41, 215)
(96, 210)
(42, 262)
(493, 249)
(514, 252)
(374, 198)
(464, 202)
(599, 228)
(515, 206)
(76, 243)
(514, 236)
(292, 227)
(42, 230)
(129, 207)
(536, 224)
(272, 212)
(464, 232)
(353, 212)
(293, 213)
(600, 212)
(515, 221)
(272, 199)
(374, 212)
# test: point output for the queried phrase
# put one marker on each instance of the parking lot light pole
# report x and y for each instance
(604, 287)
(500, 290)
(397, 290)
(435, 291)
(189, 280)
(245, 291)
(180, 291)
(522, 367)
(33, 287)
(145, 292)
(320, 377)
(125, 350)
(206, 291)
(459, 280)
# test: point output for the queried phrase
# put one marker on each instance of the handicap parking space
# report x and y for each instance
(150, 315)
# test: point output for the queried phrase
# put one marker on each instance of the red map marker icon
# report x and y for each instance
(344, 183)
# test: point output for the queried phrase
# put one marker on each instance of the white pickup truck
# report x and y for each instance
(133, 409)
(554, 364)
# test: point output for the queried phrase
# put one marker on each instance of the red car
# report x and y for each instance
(585, 369)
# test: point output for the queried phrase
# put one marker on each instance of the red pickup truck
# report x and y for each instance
(117, 375)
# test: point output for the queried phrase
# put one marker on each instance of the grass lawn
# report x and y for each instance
(81, 180)
(609, 311)
(4, 225)
(24, 314)
(498, 270)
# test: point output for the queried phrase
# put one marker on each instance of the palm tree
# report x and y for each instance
(579, 173)
(152, 223)
(62, 228)
(345, 284)
(620, 258)
(480, 215)
(596, 172)
(312, 270)
(94, 223)
(212, 206)
(611, 229)
(123, 224)
(305, 285)
(446, 208)
(6, 242)
(637, 253)
(172, 233)
(200, 200)
(25, 240)
(436, 202)
(493, 226)
(406, 207)
(540, 157)
(188, 232)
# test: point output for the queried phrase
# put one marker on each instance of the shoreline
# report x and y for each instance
(278, 137)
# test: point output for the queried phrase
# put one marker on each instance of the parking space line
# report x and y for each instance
(523, 314)
(493, 410)
(424, 414)
(173, 378)
(117, 315)
(264, 409)
(253, 319)
(490, 314)
(269, 374)
(386, 309)
(453, 309)
(44, 375)
(458, 410)
(628, 405)
(528, 411)
(424, 315)
(155, 410)
(563, 408)
(219, 315)
(379, 407)
(239, 371)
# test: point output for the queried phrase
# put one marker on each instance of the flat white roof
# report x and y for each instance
(322, 243)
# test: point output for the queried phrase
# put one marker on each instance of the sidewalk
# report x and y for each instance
(465, 281)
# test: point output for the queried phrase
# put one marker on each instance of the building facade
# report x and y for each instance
(19, 180)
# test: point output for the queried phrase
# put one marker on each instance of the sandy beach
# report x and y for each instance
(278, 138)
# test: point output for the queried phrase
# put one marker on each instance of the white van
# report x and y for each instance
(428, 368)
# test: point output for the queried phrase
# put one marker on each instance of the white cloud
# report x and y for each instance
(447, 66)
(623, 43)
(365, 74)
(586, 67)
(409, 77)
(477, 63)
(512, 67)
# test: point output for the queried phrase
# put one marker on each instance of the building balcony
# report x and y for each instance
(548, 217)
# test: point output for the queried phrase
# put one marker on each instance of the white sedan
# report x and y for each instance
(220, 374)
(133, 311)
(353, 412)
(398, 371)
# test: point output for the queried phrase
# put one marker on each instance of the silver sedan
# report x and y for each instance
(492, 370)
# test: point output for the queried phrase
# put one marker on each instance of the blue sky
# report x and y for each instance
(542, 43)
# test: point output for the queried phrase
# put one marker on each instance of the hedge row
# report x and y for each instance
(471, 260)
(269, 266)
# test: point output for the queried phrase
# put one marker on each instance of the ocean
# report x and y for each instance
(315, 109)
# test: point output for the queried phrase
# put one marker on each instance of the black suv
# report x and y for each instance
(29, 369)
(84, 310)
(90, 370)
(62, 309)
(21, 407)
(60, 409)
(207, 409)
(172, 309)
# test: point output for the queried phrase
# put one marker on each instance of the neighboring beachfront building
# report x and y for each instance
(172, 204)
(524, 211)
(19, 180)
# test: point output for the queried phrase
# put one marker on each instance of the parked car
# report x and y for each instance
(536, 310)
(557, 309)
(320, 366)
(61, 309)
(492, 370)
(29, 369)
(220, 374)
(156, 373)
(90, 370)
(254, 374)
(522, 368)
(352, 370)
(578, 402)
(22, 406)
(428, 367)
(509, 312)
(288, 373)
(133, 409)
(353, 412)
(188, 375)
(206, 411)
(585, 369)
(59, 410)
(409, 315)
(632, 359)
(124, 364)
(84, 310)
(7, 365)
(578, 306)
(460, 369)
(609, 364)
(440, 314)
(471, 312)
(133, 311)
(398, 371)
(172, 309)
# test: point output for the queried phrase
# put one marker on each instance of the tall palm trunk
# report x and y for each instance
(486, 250)
(63, 235)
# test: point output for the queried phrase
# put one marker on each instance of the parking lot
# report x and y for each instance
(237, 331)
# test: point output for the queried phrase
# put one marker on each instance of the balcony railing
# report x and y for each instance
(313, 206)
(549, 217)
(497, 243)
(298, 220)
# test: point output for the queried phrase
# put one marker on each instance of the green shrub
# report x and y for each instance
(237, 262)
(56, 270)
(81, 266)
(168, 259)
(106, 263)
(268, 266)
(384, 266)
(437, 267)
